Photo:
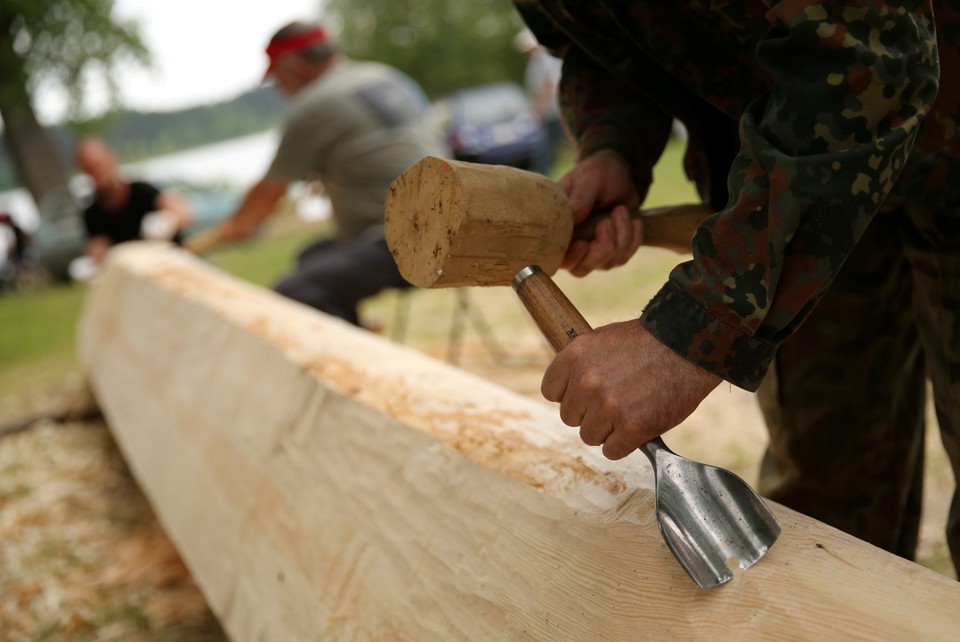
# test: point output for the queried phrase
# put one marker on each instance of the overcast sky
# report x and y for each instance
(203, 51)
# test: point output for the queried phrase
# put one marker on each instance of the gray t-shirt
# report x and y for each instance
(356, 128)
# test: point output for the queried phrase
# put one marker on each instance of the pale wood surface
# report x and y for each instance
(323, 483)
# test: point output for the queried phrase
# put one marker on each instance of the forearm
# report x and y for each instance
(96, 248)
(819, 154)
(602, 112)
(257, 206)
(178, 208)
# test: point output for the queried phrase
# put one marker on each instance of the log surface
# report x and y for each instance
(322, 483)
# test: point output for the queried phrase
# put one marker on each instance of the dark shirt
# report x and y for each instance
(123, 225)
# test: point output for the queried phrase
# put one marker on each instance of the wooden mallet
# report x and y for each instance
(453, 223)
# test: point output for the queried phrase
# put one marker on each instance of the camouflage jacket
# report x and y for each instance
(829, 99)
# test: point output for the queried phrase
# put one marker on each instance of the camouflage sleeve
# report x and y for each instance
(598, 109)
(851, 82)
(602, 112)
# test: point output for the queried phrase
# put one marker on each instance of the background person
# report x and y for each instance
(123, 210)
(14, 243)
(355, 126)
(832, 272)
(542, 79)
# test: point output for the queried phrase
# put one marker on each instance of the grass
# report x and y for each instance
(38, 324)
(37, 346)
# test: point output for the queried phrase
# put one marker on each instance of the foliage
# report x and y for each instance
(61, 40)
(443, 44)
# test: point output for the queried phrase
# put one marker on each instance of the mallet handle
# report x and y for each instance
(669, 227)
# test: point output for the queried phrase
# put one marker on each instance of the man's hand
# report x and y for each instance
(623, 387)
(602, 181)
(159, 225)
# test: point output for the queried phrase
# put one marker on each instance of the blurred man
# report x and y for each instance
(356, 126)
(125, 210)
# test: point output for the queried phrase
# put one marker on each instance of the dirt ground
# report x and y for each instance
(84, 558)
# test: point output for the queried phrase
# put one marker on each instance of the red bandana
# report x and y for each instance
(299, 42)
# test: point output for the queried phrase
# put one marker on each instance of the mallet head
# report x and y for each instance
(451, 223)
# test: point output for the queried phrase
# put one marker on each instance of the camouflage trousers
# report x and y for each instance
(845, 402)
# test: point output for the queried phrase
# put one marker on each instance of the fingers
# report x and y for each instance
(581, 390)
(636, 226)
(575, 254)
(620, 443)
(622, 238)
(595, 434)
(616, 240)
(581, 194)
(622, 387)
(574, 410)
(601, 180)
(554, 383)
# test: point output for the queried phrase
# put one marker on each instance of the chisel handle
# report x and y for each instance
(558, 319)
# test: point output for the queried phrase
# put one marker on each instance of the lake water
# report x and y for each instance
(236, 163)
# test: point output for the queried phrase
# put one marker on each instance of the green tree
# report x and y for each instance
(443, 44)
(54, 41)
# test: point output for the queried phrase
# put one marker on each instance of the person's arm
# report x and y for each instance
(258, 204)
(98, 242)
(603, 113)
(96, 248)
(819, 154)
(177, 207)
(619, 135)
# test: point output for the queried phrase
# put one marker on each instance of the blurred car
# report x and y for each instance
(492, 124)
(61, 236)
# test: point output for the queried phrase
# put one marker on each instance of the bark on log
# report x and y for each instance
(323, 483)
